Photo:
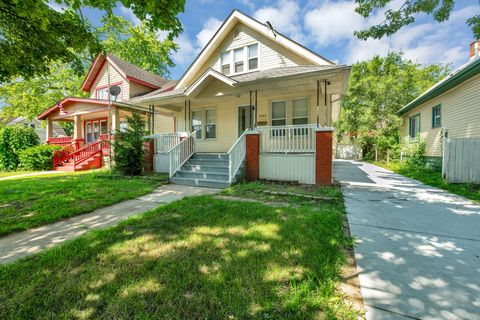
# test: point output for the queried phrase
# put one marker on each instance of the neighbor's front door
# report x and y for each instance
(244, 119)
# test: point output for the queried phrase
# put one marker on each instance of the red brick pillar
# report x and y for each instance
(97, 161)
(252, 156)
(323, 157)
(148, 149)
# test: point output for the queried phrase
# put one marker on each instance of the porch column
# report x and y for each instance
(49, 129)
(324, 156)
(115, 125)
(77, 130)
(252, 156)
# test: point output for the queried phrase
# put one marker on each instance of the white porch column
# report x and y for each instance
(49, 129)
(115, 120)
(77, 128)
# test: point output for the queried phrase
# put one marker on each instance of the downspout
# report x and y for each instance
(185, 117)
(255, 110)
(250, 109)
(325, 102)
(318, 103)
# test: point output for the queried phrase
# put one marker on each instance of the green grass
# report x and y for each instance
(36, 200)
(198, 258)
(4, 174)
(434, 178)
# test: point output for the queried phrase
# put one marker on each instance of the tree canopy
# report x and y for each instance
(33, 34)
(378, 88)
(136, 44)
(405, 15)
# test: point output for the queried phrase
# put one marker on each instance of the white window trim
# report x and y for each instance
(245, 59)
(204, 123)
(289, 110)
(271, 111)
(308, 109)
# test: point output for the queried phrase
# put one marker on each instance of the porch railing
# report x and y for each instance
(287, 139)
(180, 153)
(166, 141)
(61, 141)
(63, 155)
(89, 150)
(236, 155)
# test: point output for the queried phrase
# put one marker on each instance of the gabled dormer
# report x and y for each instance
(243, 45)
(131, 80)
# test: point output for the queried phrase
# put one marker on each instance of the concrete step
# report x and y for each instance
(199, 182)
(208, 162)
(203, 175)
(210, 156)
(204, 168)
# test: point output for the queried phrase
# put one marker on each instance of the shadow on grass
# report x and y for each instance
(196, 258)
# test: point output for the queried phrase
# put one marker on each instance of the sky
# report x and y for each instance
(326, 27)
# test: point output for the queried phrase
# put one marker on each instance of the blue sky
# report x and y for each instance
(326, 27)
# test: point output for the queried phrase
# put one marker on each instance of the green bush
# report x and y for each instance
(37, 158)
(128, 147)
(13, 140)
(414, 153)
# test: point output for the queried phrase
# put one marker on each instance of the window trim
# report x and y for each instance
(245, 59)
(417, 136)
(286, 111)
(308, 109)
(203, 112)
(439, 108)
(118, 83)
(257, 57)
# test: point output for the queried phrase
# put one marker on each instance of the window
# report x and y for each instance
(211, 124)
(253, 57)
(238, 59)
(88, 128)
(197, 124)
(436, 116)
(225, 61)
(103, 127)
(279, 113)
(414, 129)
(102, 94)
(300, 111)
(95, 131)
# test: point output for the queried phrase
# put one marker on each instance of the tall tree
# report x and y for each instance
(33, 35)
(378, 88)
(396, 19)
(136, 44)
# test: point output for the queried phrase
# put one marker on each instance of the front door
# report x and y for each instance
(244, 119)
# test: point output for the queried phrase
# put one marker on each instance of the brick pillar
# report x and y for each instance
(148, 159)
(323, 157)
(252, 156)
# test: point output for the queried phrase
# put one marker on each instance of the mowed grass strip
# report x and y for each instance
(37, 200)
(198, 258)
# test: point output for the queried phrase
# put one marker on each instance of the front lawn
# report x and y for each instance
(32, 201)
(433, 178)
(198, 258)
(4, 174)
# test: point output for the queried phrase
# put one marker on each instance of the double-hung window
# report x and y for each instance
(252, 57)
(225, 61)
(279, 113)
(102, 94)
(437, 116)
(414, 127)
(238, 59)
(300, 111)
(204, 123)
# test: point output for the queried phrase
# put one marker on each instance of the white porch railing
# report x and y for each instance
(166, 141)
(236, 155)
(180, 153)
(287, 139)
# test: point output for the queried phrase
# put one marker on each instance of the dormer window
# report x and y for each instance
(253, 57)
(102, 93)
(226, 63)
(238, 58)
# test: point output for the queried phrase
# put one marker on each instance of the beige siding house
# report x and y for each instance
(452, 105)
(251, 77)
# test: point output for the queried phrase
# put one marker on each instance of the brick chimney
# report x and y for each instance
(474, 49)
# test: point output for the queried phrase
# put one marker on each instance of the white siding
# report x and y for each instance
(115, 76)
(288, 167)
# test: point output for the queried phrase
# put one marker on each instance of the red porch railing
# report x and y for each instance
(63, 155)
(89, 150)
(61, 141)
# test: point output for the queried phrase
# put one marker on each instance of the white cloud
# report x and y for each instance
(209, 29)
(185, 52)
(285, 18)
(248, 3)
(129, 15)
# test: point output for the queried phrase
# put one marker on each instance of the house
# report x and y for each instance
(252, 102)
(90, 114)
(450, 105)
(57, 130)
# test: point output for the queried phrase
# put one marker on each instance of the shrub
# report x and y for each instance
(13, 140)
(128, 147)
(37, 158)
(414, 153)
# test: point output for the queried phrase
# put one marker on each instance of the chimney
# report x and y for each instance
(474, 49)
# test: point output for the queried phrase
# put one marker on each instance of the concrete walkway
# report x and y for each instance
(418, 247)
(22, 175)
(18, 245)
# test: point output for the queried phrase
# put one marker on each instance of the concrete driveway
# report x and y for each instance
(418, 247)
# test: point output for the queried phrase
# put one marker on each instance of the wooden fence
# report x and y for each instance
(461, 160)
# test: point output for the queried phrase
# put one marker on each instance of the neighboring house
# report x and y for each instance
(90, 115)
(250, 76)
(452, 104)
(57, 130)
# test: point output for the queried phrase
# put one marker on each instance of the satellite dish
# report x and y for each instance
(115, 91)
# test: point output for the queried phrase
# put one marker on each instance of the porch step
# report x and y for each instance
(210, 156)
(200, 182)
(204, 168)
(208, 162)
(203, 175)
